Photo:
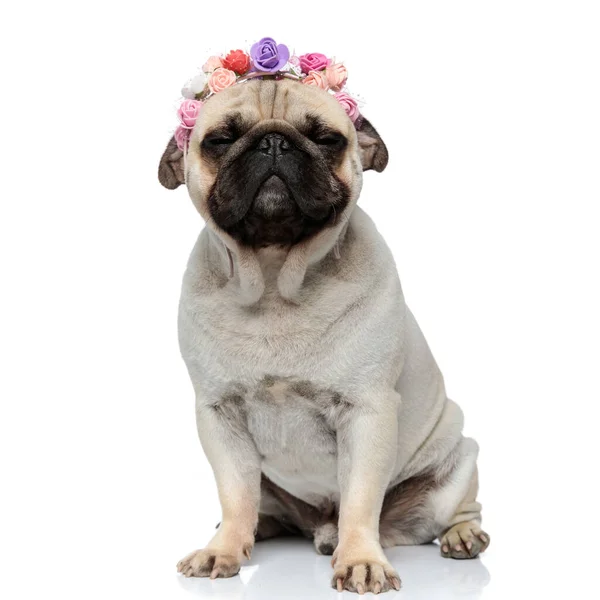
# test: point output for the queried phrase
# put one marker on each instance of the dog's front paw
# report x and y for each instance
(464, 540)
(210, 563)
(364, 575)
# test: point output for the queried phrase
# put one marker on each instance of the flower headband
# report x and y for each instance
(265, 59)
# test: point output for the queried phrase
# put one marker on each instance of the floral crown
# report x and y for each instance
(265, 59)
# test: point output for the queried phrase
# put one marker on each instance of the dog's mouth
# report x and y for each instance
(275, 217)
(273, 200)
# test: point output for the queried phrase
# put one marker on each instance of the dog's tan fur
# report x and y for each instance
(312, 375)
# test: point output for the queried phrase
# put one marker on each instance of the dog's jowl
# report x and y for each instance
(319, 405)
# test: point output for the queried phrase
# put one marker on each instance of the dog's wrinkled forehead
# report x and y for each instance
(253, 102)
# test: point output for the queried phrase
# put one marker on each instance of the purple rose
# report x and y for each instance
(268, 56)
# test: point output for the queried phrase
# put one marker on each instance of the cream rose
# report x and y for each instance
(220, 79)
(317, 79)
(336, 76)
(214, 62)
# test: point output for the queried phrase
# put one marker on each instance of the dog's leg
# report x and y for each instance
(236, 466)
(465, 538)
(367, 442)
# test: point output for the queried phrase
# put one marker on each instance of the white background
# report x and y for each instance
(491, 113)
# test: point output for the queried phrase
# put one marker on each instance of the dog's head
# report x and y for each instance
(274, 162)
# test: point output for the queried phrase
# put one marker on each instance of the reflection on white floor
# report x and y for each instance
(290, 568)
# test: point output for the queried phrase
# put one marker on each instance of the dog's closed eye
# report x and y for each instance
(217, 140)
(331, 139)
(217, 143)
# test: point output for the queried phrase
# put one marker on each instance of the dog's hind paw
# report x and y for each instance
(464, 540)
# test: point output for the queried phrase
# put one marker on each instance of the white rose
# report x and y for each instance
(198, 83)
(186, 92)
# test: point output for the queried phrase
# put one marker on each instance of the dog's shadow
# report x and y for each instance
(290, 568)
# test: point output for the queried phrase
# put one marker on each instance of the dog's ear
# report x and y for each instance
(373, 153)
(170, 169)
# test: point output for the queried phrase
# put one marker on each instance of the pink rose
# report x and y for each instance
(318, 79)
(214, 62)
(182, 137)
(313, 62)
(336, 76)
(188, 113)
(220, 79)
(348, 104)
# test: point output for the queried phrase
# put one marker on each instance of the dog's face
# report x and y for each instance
(274, 162)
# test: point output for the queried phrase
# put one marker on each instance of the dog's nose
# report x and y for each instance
(274, 144)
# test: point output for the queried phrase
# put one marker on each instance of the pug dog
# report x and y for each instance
(318, 402)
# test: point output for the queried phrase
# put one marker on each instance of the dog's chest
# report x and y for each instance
(292, 423)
